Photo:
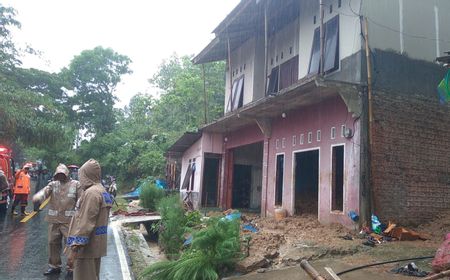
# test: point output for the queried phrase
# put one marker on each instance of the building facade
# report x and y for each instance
(307, 130)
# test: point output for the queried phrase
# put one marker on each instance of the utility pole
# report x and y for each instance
(205, 96)
(322, 38)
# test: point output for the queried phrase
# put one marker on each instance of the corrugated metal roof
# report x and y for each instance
(244, 22)
(183, 143)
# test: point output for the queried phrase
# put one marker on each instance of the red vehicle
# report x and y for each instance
(7, 165)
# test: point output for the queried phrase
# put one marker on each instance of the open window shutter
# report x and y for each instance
(187, 178)
(332, 45)
(241, 95)
(273, 81)
(238, 94)
(314, 62)
(232, 96)
(289, 72)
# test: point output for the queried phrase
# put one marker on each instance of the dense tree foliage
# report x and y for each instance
(32, 113)
(182, 103)
(148, 126)
(94, 75)
(42, 115)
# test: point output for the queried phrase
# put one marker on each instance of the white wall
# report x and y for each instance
(417, 28)
(212, 143)
(195, 151)
(242, 57)
(349, 29)
(281, 43)
(208, 143)
(258, 76)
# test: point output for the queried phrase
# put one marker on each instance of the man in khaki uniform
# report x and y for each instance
(89, 227)
(64, 193)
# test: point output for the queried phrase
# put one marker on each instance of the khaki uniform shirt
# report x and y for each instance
(63, 198)
(89, 226)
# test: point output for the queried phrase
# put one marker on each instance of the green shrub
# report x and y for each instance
(214, 249)
(172, 225)
(150, 195)
(193, 219)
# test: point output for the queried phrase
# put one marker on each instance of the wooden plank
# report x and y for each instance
(32, 214)
(332, 273)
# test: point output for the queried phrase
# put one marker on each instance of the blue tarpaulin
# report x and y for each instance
(250, 227)
(135, 194)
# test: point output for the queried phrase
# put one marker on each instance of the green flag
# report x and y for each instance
(444, 89)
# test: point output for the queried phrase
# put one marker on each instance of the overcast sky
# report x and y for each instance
(147, 31)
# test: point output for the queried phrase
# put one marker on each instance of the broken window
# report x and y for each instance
(279, 180)
(273, 81)
(337, 180)
(289, 72)
(331, 48)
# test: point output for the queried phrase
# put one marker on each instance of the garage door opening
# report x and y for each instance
(247, 177)
(307, 182)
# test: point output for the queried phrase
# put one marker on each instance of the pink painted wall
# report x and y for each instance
(329, 113)
(194, 152)
(324, 116)
(208, 143)
(212, 143)
(244, 136)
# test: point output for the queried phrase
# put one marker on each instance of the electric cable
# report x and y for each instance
(381, 263)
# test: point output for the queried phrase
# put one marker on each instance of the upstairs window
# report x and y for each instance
(331, 48)
(273, 81)
(236, 98)
(238, 95)
(289, 72)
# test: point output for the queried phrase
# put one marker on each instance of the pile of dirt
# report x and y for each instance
(437, 228)
(286, 242)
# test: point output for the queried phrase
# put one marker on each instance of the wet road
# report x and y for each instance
(23, 250)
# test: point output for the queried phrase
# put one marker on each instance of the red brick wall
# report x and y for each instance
(411, 157)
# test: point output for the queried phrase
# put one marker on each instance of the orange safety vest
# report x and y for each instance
(22, 185)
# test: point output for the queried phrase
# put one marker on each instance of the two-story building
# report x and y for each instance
(330, 107)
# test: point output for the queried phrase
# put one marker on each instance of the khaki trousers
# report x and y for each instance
(86, 269)
(57, 234)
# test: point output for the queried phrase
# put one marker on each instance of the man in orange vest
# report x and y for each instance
(21, 190)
